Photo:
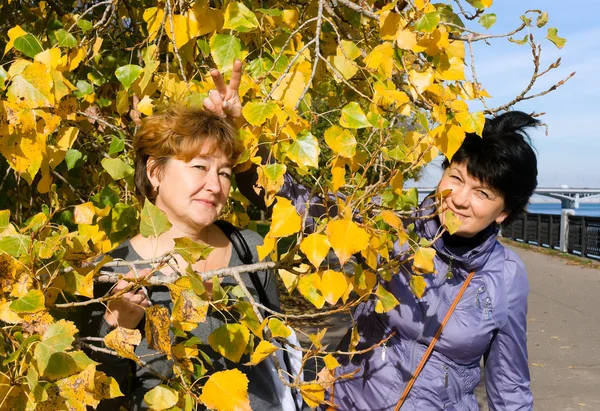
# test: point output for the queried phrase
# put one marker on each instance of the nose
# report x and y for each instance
(212, 182)
(460, 197)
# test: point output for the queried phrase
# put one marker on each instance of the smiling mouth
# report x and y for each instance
(206, 202)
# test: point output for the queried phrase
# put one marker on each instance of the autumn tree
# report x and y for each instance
(348, 97)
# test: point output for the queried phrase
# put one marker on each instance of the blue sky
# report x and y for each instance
(570, 153)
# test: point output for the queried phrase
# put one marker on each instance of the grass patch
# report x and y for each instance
(569, 259)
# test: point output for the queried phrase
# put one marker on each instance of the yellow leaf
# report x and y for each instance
(13, 34)
(157, 329)
(341, 141)
(278, 328)
(333, 286)
(153, 16)
(290, 280)
(451, 221)
(145, 106)
(331, 362)
(392, 219)
(381, 59)
(123, 341)
(226, 391)
(66, 137)
(310, 287)
(185, 28)
(161, 398)
(389, 24)
(348, 49)
(397, 182)
(266, 247)
(346, 68)
(80, 389)
(189, 310)
(315, 247)
(290, 89)
(313, 394)
(421, 80)
(448, 139)
(418, 285)
(471, 122)
(386, 301)
(97, 46)
(84, 213)
(75, 58)
(406, 39)
(230, 340)
(50, 58)
(423, 261)
(346, 238)
(452, 68)
(338, 177)
(33, 87)
(285, 220)
(262, 351)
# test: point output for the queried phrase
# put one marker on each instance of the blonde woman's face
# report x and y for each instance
(193, 193)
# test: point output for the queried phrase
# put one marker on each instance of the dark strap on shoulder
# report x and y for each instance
(243, 251)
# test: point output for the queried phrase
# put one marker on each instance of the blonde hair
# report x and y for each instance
(179, 132)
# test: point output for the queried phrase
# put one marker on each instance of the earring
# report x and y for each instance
(155, 189)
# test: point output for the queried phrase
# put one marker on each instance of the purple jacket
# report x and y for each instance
(489, 322)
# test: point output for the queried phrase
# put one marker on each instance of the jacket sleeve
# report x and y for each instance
(507, 378)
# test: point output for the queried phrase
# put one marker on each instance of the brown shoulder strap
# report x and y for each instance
(433, 342)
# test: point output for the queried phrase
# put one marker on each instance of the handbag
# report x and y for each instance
(292, 365)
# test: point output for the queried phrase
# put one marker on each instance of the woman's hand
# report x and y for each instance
(225, 100)
(129, 310)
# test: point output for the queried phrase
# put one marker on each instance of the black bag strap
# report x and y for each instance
(243, 251)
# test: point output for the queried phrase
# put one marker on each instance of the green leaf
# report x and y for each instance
(49, 353)
(428, 22)
(117, 168)
(84, 25)
(519, 42)
(239, 17)
(116, 146)
(386, 300)
(161, 398)
(526, 20)
(487, 20)
(256, 113)
(191, 251)
(15, 245)
(417, 285)
(304, 151)
(270, 12)
(554, 38)
(341, 141)
(32, 302)
(107, 197)
(354, 117)
(123, 216)
(230, 341)
(224, 49)
(203, 46)
(28, 45)
(83, 89)
(154, 221)
(128, 74)
(72, 158)
(4, 220)
(542, 20)
(65, 39)
(278, 328)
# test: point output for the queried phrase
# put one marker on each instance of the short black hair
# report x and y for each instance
(503, 159)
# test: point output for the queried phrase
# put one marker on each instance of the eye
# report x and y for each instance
(483, 194)
(455, 177)
(225, 174)
(200, 167)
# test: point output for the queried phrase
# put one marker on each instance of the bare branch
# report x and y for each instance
(317, 53)
(357, 8)
(174, 43)
(475, 36)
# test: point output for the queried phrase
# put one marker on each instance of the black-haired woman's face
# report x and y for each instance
(475, 204)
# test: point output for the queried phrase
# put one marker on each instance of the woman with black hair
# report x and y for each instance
(491, 179)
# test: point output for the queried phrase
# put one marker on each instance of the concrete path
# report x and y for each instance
(563, 334)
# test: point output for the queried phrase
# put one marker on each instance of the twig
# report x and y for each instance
(64, 180)
(174, 43)
(287, 69)
(473, 72)
(317, 53)
(101, 121)
(359, 9)
(475, 36)
(102, 3)
(104, 16)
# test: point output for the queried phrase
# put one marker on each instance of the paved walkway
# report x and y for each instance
(563, 334)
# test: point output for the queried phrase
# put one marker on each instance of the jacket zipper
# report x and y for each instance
(446, 376)
(383, 351)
